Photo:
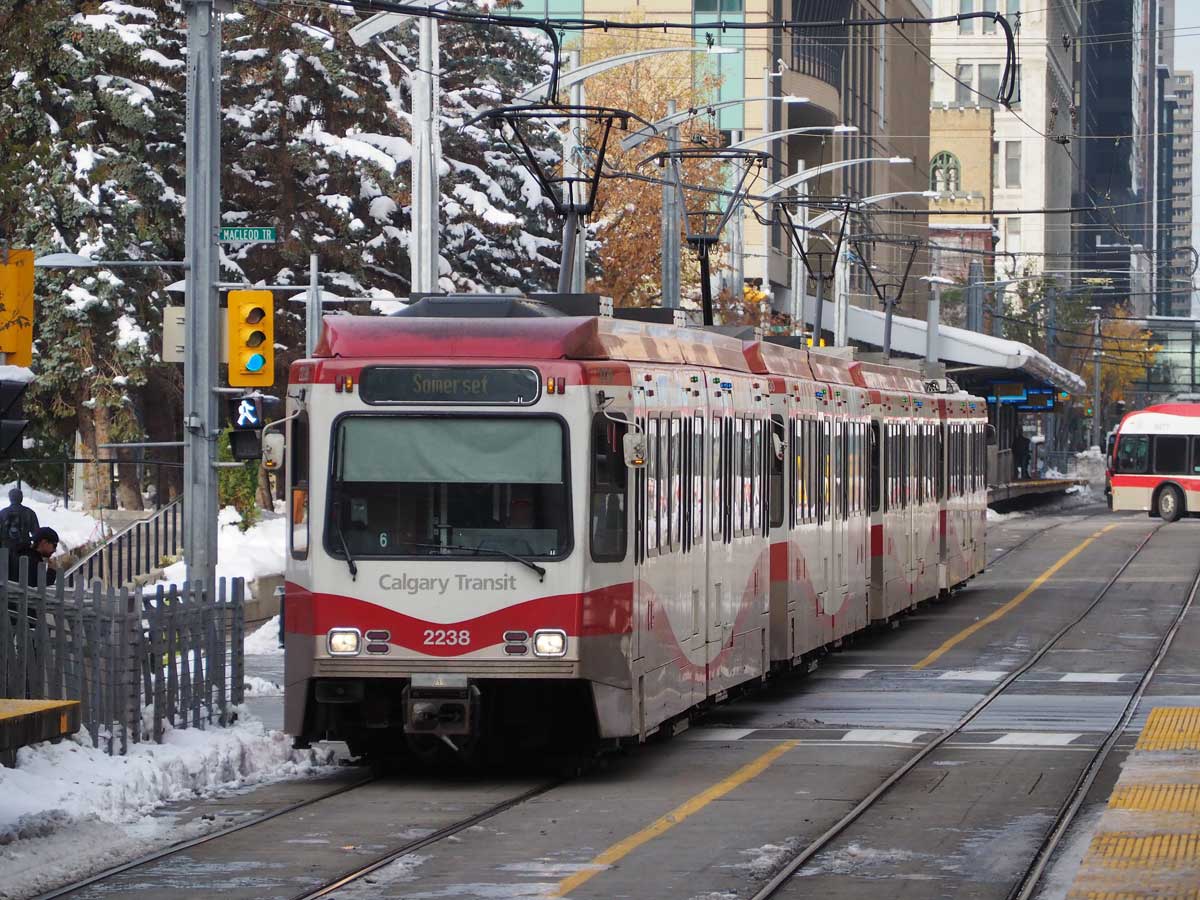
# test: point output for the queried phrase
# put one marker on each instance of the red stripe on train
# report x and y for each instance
(603, 611)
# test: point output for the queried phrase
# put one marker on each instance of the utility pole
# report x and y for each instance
(1097, 437)
(575, 131)
(201, 302)
(975, 296)
(671, 226)
(312, 310)
(427, 152)
(737, 244)
(841, 298)
(933, 319)
(1051, 342)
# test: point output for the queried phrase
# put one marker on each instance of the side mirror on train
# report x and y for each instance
(635, 449)
(272, 451)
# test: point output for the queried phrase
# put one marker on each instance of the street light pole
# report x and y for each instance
(1096, 423)
(203, 188)
(426, 153)
(671, 226)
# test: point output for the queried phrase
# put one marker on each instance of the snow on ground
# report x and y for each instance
(249, 554)
(69, 807)
(75, 529)
(264, 641)
(993, 516)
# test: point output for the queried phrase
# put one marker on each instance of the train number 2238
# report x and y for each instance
(443, 636)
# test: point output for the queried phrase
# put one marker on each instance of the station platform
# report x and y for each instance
(24, 722)
(1147, 843)
(1014, 490)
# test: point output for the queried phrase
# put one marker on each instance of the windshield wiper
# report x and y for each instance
(494, 551)
(337, 527)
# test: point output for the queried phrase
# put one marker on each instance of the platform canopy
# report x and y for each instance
(960, 347)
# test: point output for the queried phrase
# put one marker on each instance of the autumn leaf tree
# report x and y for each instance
(626, 222)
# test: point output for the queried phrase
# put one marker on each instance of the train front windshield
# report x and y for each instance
(420, 486)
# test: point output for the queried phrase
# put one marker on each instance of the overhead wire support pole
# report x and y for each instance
(671, 226)
(423, 253)
(312, 310)
(201, 300)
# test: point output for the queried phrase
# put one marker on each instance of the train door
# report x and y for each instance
(840, 580)
(642, 523)
(719, 520)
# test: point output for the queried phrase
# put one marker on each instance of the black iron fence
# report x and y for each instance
(44, 473)
(134, 552)
(136, 662)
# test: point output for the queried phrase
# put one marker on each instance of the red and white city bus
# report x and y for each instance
(1156, 462)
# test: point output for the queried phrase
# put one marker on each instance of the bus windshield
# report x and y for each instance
(413, 486)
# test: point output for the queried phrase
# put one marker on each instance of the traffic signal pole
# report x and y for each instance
(200, 370)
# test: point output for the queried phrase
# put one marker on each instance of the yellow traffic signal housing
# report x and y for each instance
(251, 338)
(16, 306)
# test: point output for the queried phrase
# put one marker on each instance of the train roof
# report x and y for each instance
(556, 337)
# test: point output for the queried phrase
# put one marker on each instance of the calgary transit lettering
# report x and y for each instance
(410, 584)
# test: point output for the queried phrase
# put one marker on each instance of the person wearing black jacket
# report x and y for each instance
(17, 523)
(39, 551)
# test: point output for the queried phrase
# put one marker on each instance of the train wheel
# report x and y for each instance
(1170, 503)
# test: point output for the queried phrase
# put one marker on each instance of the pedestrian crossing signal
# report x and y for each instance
(251, 336)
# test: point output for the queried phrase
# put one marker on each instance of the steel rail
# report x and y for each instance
(105, 874)
(419, 843)
(1036, 534)
(797, 861)
(1025, 888)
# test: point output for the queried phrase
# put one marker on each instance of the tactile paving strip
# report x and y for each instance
(1171, 728)
(1181, 798)
(1116, 850)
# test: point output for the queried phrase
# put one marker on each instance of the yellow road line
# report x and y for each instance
(620, 850)
(1011, 604)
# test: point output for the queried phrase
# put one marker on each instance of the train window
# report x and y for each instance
(843, 481)
(826, 458)
(697, 477)
(418, 485)
(791, 449)
(718, 466)
(652, 487)
(732, 453)
(664, 485)
(1170, 454)
(609, 529)
(675, 496)
(639, 511)
(298, 475)
(940, 472)
(1195, 455)
(776, 464)
(875, 470)
(746, 484)
(1133, 454)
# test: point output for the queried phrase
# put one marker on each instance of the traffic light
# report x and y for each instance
(251, 318)
(11, 424)
(1088, 412)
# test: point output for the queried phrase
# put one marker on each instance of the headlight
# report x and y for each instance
(550, 642)
(343, 641)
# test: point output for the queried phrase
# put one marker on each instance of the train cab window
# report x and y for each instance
(420, 486)
(609, 528)
(298, 474)
(1170, 454)
(1133, 454)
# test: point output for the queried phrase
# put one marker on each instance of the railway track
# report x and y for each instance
(1027, 884)
(98, 880)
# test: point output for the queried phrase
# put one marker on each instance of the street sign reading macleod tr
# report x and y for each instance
(246, 235)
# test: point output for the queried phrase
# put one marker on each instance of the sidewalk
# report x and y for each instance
(1147, 843)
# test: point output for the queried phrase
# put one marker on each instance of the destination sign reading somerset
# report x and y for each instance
(394, 384)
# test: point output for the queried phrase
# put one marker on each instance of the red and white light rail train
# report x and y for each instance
(527, 528)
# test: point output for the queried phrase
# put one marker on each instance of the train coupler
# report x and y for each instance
(441, 705)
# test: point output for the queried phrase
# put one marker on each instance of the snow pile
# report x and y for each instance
(993, 516)
(249, 554)
(54, 785)
(264, 641)
(75, 529)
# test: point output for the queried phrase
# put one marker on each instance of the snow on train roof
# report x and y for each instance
(561, 337)
(1163, 418)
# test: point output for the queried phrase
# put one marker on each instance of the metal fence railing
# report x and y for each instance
(43, 473)
(174, 656)
(136, 551)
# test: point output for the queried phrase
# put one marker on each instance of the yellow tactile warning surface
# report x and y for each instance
(1122, 851)
(1147, 843)
(1171, 728)
(1184, 798)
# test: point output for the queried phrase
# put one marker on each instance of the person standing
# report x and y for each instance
(17, 523)
(38, 551)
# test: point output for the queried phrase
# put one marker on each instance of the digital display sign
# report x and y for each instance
(446, 384)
